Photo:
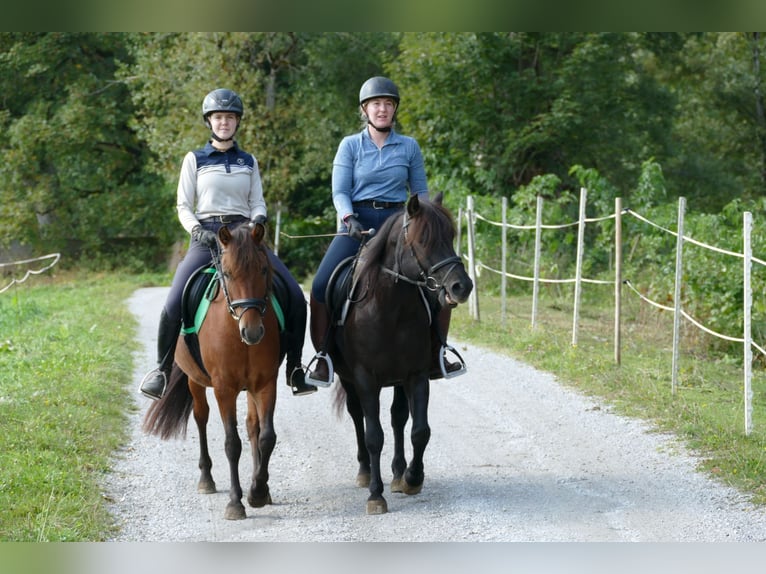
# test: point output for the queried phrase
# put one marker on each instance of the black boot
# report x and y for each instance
(319, 327)
(439, 348)
(155, 381)
(296, 379)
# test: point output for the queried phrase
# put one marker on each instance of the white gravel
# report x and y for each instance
(514, 456)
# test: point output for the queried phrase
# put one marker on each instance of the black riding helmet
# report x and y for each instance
(378, 87)
(221, 100)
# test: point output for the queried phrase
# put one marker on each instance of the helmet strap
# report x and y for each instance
(382, 130)
(216, 138)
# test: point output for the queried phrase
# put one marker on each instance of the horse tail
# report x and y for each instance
(169, 417)
(339, 401)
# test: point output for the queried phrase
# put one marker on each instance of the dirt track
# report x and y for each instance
(513, 456)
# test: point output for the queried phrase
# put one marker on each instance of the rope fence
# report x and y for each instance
(475, 266)
(28, 272)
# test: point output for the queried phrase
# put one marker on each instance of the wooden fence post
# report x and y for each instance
(473, 300)
(503, 268)
(538, 251)
(578, 268)
(748, 336)
(617, 277)
(677, 292)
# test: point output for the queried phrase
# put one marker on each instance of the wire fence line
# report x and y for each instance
(475, 266)
(55, 257)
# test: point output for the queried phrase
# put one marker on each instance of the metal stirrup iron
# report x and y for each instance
(443, 360)
(321, 355)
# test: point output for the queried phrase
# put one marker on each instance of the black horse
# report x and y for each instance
(400, 279)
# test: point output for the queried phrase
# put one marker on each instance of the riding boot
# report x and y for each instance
(318, 328)
(155, 381)
(439, 347)
(296, 378)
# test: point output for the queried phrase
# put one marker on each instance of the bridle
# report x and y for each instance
(425, 279)
(258, 303)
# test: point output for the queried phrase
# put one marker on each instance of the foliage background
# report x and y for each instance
(96, 126)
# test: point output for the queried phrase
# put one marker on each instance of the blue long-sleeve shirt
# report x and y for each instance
(361, 171)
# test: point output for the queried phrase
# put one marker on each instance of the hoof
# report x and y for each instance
(259, 501)
(377, 506)
(206, 487)
(411, 488)
(363, 479)
(235, 511)
(397, 485)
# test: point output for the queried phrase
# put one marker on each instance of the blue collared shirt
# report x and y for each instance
(361, 171)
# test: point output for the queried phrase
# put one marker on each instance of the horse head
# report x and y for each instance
(246, 278)
(428, 230)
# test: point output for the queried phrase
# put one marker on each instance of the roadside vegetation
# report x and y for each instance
(66, 360)
(707, 410)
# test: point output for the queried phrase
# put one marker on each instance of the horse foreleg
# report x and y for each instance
(399, 415)
(420, 435)
(227, 405)
(206, 485)
(354, 408)
(263, 439)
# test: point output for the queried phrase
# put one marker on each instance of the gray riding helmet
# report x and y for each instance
(378, 87)
(221, 100)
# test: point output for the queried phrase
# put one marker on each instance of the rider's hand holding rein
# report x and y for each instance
(354, 227)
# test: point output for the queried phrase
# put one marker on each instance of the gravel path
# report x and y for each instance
(513, 456)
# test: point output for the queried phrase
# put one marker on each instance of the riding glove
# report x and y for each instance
(354, 227)
(204, 236)
(260, 219)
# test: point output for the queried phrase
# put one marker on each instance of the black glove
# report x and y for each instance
(260, 219)
(354, 227)
(204, 236)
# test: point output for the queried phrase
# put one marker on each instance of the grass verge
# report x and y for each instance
(66, 359)
(706, 410)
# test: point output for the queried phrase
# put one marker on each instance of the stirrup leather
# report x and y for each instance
(443, 362)
(321, 355)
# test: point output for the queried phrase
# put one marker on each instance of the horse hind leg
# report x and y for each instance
(399, 416)
(206, 485)
(376, 504)
(354, 409)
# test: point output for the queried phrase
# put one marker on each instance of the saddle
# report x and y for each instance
(200, 290)
(338, 292)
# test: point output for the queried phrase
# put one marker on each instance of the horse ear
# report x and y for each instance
(224, 235)
(438, 198)
(257, 231)
(413, 205)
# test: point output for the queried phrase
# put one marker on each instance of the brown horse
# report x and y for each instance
(402, 277)
(240, 349)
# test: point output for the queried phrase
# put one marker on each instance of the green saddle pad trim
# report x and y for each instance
(204, 305)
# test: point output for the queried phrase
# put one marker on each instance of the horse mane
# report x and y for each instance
(429, 226)
(250, 254)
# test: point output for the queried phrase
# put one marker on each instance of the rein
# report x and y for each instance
(257, 303)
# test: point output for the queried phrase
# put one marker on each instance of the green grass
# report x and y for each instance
(707, 409)
(66, 347)
(66, 358)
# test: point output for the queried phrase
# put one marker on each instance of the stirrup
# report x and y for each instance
(152, 374)
(443, 362)
(320, 356)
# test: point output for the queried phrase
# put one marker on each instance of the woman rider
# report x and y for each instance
(373, 174)
(220, 184)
